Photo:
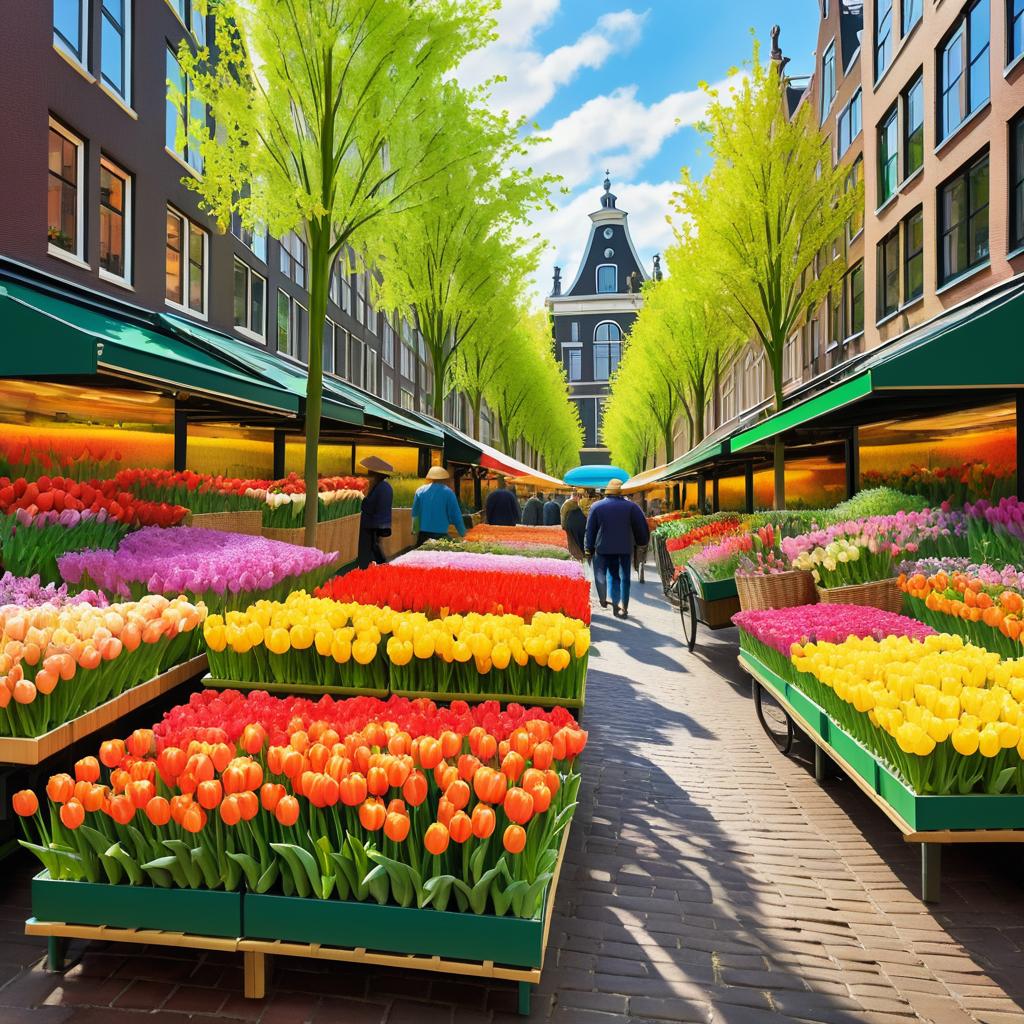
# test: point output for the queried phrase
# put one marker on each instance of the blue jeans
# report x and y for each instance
(614, 569)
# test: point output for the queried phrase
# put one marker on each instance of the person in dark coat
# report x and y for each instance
(502, 506)
(614, 527)
(533, 511)
(574, 522)
(375, 514)
(552, 515)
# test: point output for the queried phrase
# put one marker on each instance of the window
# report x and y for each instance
(913, 126)
(408, 402)
(341, 360)
(388, 390)
(963, 68)
(828, 80)
(856, 222)
(115, 218)
(888, 156)
(574, 331)
(115, 59)
(1014, 29)
(186, 117)
(848, 125)
(64, 193)
(71, 28)
(728, 391)
(291, 325)
(574, 363)
(913, 255)
(912, 10)
(889, 274)
(372, 376)
(292, 258)
(253, 239)
(250, 300)
(963, 220)
(607, 279)
(328, 345)
(814, 343)
(853, 298)
(387, 343)
(407, 362)
(607, 350)
(1017, 181)
(185, 265)
(883, 36)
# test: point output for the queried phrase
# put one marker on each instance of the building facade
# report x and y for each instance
(93, 161)
(592, 317)
(924, 102)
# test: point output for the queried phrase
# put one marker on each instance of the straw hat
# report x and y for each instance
(437, 473)
(614, 487)
(372, 464)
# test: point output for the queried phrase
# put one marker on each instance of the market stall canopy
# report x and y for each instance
(64, 339)
(976, 346)
(397, 422)
(648, 478)
(706, 451)
(595, 476)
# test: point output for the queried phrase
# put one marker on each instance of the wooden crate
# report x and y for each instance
(402, 537)
(35, 750)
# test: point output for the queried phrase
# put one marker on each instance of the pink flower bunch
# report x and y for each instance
(516, 564)
(780, 628)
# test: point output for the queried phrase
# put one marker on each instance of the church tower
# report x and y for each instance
(591, 317)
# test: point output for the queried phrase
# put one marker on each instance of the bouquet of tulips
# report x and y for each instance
(517, 536)
(683, 546)
(285, 510)
(451, 810)
(944, 714)
(439, 591)
(60, 661)
(224, 570)
(531, 551)
(318, 641)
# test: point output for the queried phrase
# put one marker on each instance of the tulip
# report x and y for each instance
(25, 803)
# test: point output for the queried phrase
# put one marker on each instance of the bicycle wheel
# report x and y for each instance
(687, 609)
(773, 718)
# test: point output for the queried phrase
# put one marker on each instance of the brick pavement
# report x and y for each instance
(708, 879)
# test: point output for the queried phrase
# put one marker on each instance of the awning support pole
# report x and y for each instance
(478, 494)
(424, 461)
(748, 487)
(701, 492)
(852, 445)
(353, 460)
(180, 439)
(1020, 444)
(714, 492)
(678, 494)
(278, 454)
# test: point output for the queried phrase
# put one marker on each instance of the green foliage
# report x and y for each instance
(878, 501)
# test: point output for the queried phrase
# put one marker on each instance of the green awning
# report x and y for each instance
(395, 422)
(458, 447)
(976, 346)
(704, 452)
(49, 337)
(265, 364)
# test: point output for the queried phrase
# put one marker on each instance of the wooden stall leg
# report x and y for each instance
(255, 975)
(931, 872)
(524, 998)
(820, 765)
(55, 949)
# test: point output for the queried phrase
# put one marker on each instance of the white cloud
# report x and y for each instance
(533, 77)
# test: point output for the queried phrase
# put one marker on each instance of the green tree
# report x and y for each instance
(330, 121)
(770, 204)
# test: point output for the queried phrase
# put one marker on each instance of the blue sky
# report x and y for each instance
(607, 80)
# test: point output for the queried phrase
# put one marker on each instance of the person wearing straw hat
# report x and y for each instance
(614, 527)
(435, 508)
(375, 514)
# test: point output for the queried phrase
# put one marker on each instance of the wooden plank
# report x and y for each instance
(255, 974)
(141, 936)
(950, 836)
(36, 749)
(549, 909)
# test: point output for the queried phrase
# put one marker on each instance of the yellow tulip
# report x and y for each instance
(278, 640)
(364, 652)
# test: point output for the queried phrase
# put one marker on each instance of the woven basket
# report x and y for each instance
(776, 590)
(248, 522)
(884, 594)
(341, 535)
(401, 538)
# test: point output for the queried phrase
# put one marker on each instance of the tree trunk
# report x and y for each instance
(699, 398)
(779, 452)
(475, 406)
(669, 443)
(319, 284)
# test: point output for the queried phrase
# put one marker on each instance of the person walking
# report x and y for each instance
(502, 506)
(574, 522)
(375, 513)
(614, 527)
(533, 511)
(435, 508)
(552, 514)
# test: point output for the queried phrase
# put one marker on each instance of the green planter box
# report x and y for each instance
(713, 590)
(859, 758)
(448, 934)
(197, 911)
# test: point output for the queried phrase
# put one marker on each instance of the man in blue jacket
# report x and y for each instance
(552, 512)
(614, 527)
(502, 506)
(435, 508)
(375, 513)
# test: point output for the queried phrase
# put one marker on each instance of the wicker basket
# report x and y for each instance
(884, 594)
(775, 590)
(401, 538)
(248, 522)
(341, 535)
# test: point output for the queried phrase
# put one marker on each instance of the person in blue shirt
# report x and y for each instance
(435, 508)
(375, 514)
(614, 527)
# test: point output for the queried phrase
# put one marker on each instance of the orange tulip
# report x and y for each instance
(436, 839)
(87, 769)
(460, 828)
(483, 820)
(270, 795)
(25, 803)
(445, 811)
(415, 789)
(543, 755)
(372, 815)
(72, 814)
(396, 826)
(458, 794)
(141, 743)
(122, 810)
(253, 738)
(94, 798)
(377, 781)
(468, 764)
(230, 812)
(353, 790)
(451, 744)
(158, 810)
(518, 805)
(287, 811)
(541, 799)
(60, 788)
(194, 819)
(514, 839)
(140, 792)
(209, 794)
(430, 753)
(512, 766)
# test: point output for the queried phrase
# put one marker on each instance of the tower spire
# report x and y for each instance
(608, 200)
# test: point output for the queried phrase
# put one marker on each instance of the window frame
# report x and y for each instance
(854, 177)
(126, 219)
(1014, 18)
(890, 167)
(851, 329)
(1016, 182)
(192, 157)
(908, 254)
(246, 329)
(64, 45)
(965, 79)
(569, 351)
(847, 113)
(943, 230)
(597, 278)
(906, 27)
(888, 272)
(249, 236)
(828, 58)
(125, 32)
(78, 255)
(186, 262)
(917, 82)
(886, 43)
(574, 331)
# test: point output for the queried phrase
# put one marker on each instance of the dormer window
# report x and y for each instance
(607, 279)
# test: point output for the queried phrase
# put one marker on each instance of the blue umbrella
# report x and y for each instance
(594, 476)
